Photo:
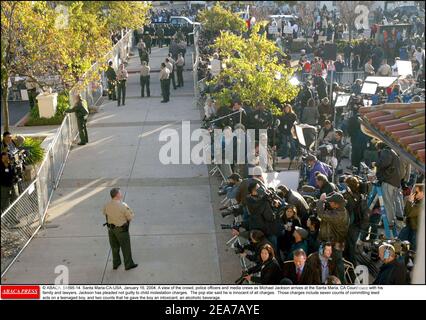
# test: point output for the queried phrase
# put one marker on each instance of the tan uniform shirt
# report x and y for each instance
(164, 73)
(180, 62)
(118, 213)
(368, 68)
(169, 66)
(122, 74)
(145, 71)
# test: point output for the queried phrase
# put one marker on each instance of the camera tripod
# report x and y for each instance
(377, 194)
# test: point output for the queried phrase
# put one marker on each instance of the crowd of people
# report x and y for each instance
(312, 235)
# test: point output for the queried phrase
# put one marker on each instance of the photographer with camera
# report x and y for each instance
(324, 185)
(334, 226)
(231, 188)
(243, 192)
(389, 176)
(413, 209)
(326, 133)
(270, 270)
(261, 215)
(392, 272)
(8, 184)
(295, 198)
(356, 206)
(257, 242)
(261, 118)
(316, 166)
(8, 145)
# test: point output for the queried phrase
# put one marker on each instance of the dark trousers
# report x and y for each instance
(144, 80)
(120, 238)
(160, 42)
(32, 94)
(148, 47)
(172, 76)
(350, 245)
(165, 89)
(179, 71)
(82, 130)
(8, 195)
(111, 90)
(121, 92)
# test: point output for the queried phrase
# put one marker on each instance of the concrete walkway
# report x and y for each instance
(173, 234)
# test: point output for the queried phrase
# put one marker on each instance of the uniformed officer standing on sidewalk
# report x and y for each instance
(121, 88)
(170, 63)
(118, 216)
(145, 79)
(180, 62)
(165, 83)
(81, 112)
(112, 78)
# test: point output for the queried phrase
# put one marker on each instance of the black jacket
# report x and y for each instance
(328, 188)
(392, 273)
(389, 167)
(287, 122)
(261, 119)
(261, 216)
(289, 272)
(7, 175)
(270, 273)
(256, 248)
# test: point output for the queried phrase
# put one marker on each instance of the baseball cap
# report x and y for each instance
(257, 171)
(303, 233)
(337, 198)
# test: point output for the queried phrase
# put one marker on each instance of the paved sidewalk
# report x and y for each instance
(173, 234)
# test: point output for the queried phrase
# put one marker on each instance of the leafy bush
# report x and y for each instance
(34, 149)
(219, 19)
(256, 72)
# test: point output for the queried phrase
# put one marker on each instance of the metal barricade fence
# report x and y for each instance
(25, 216)
(93, 90)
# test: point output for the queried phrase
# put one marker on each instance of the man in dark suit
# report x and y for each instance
(293, 270)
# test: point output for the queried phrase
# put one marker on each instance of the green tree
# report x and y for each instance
(256, 71)
(218, 19)
(60, 38)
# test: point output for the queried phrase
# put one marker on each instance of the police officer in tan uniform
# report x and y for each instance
(165, 82)
(122, 76)
(118, 216)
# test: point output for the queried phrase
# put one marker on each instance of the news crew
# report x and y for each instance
(9, 188)
(270, 271)
(392, 271)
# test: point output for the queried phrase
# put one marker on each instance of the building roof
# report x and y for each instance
(401, 126)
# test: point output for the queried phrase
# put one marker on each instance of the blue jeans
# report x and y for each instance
(286, 139)
(408, 234)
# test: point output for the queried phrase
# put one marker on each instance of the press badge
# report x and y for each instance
(6, 170)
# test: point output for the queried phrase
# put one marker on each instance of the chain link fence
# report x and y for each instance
(26, 215)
